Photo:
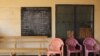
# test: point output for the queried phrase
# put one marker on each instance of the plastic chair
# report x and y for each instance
(55, 47)
(71, 44)
(90, 45)
(98, 48)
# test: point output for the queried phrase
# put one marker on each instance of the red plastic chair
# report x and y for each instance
(71, 44)
(90, 45)
(55, 47)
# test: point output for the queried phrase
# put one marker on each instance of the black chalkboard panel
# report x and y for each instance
(36, 21)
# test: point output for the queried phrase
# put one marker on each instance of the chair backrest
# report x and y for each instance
(71, 43)
(56, 44)
(89, 43)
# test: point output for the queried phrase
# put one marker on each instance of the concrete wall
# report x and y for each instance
(10, 15)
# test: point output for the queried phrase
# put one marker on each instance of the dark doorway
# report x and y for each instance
(76, 18)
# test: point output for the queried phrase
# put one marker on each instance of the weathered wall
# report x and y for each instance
(10, 15)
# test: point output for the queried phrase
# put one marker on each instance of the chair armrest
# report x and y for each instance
(49, 44)
(85, 47)
(97, 47)
(80, 46)
(48, 48)
(62, 48)
(67, 46)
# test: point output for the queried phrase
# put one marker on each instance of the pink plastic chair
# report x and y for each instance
(98, 48)
(90, 45)
(55, 47)
(71, 44)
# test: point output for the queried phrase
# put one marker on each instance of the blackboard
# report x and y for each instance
(36, 21)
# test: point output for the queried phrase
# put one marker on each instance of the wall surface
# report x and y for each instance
(10, 14)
